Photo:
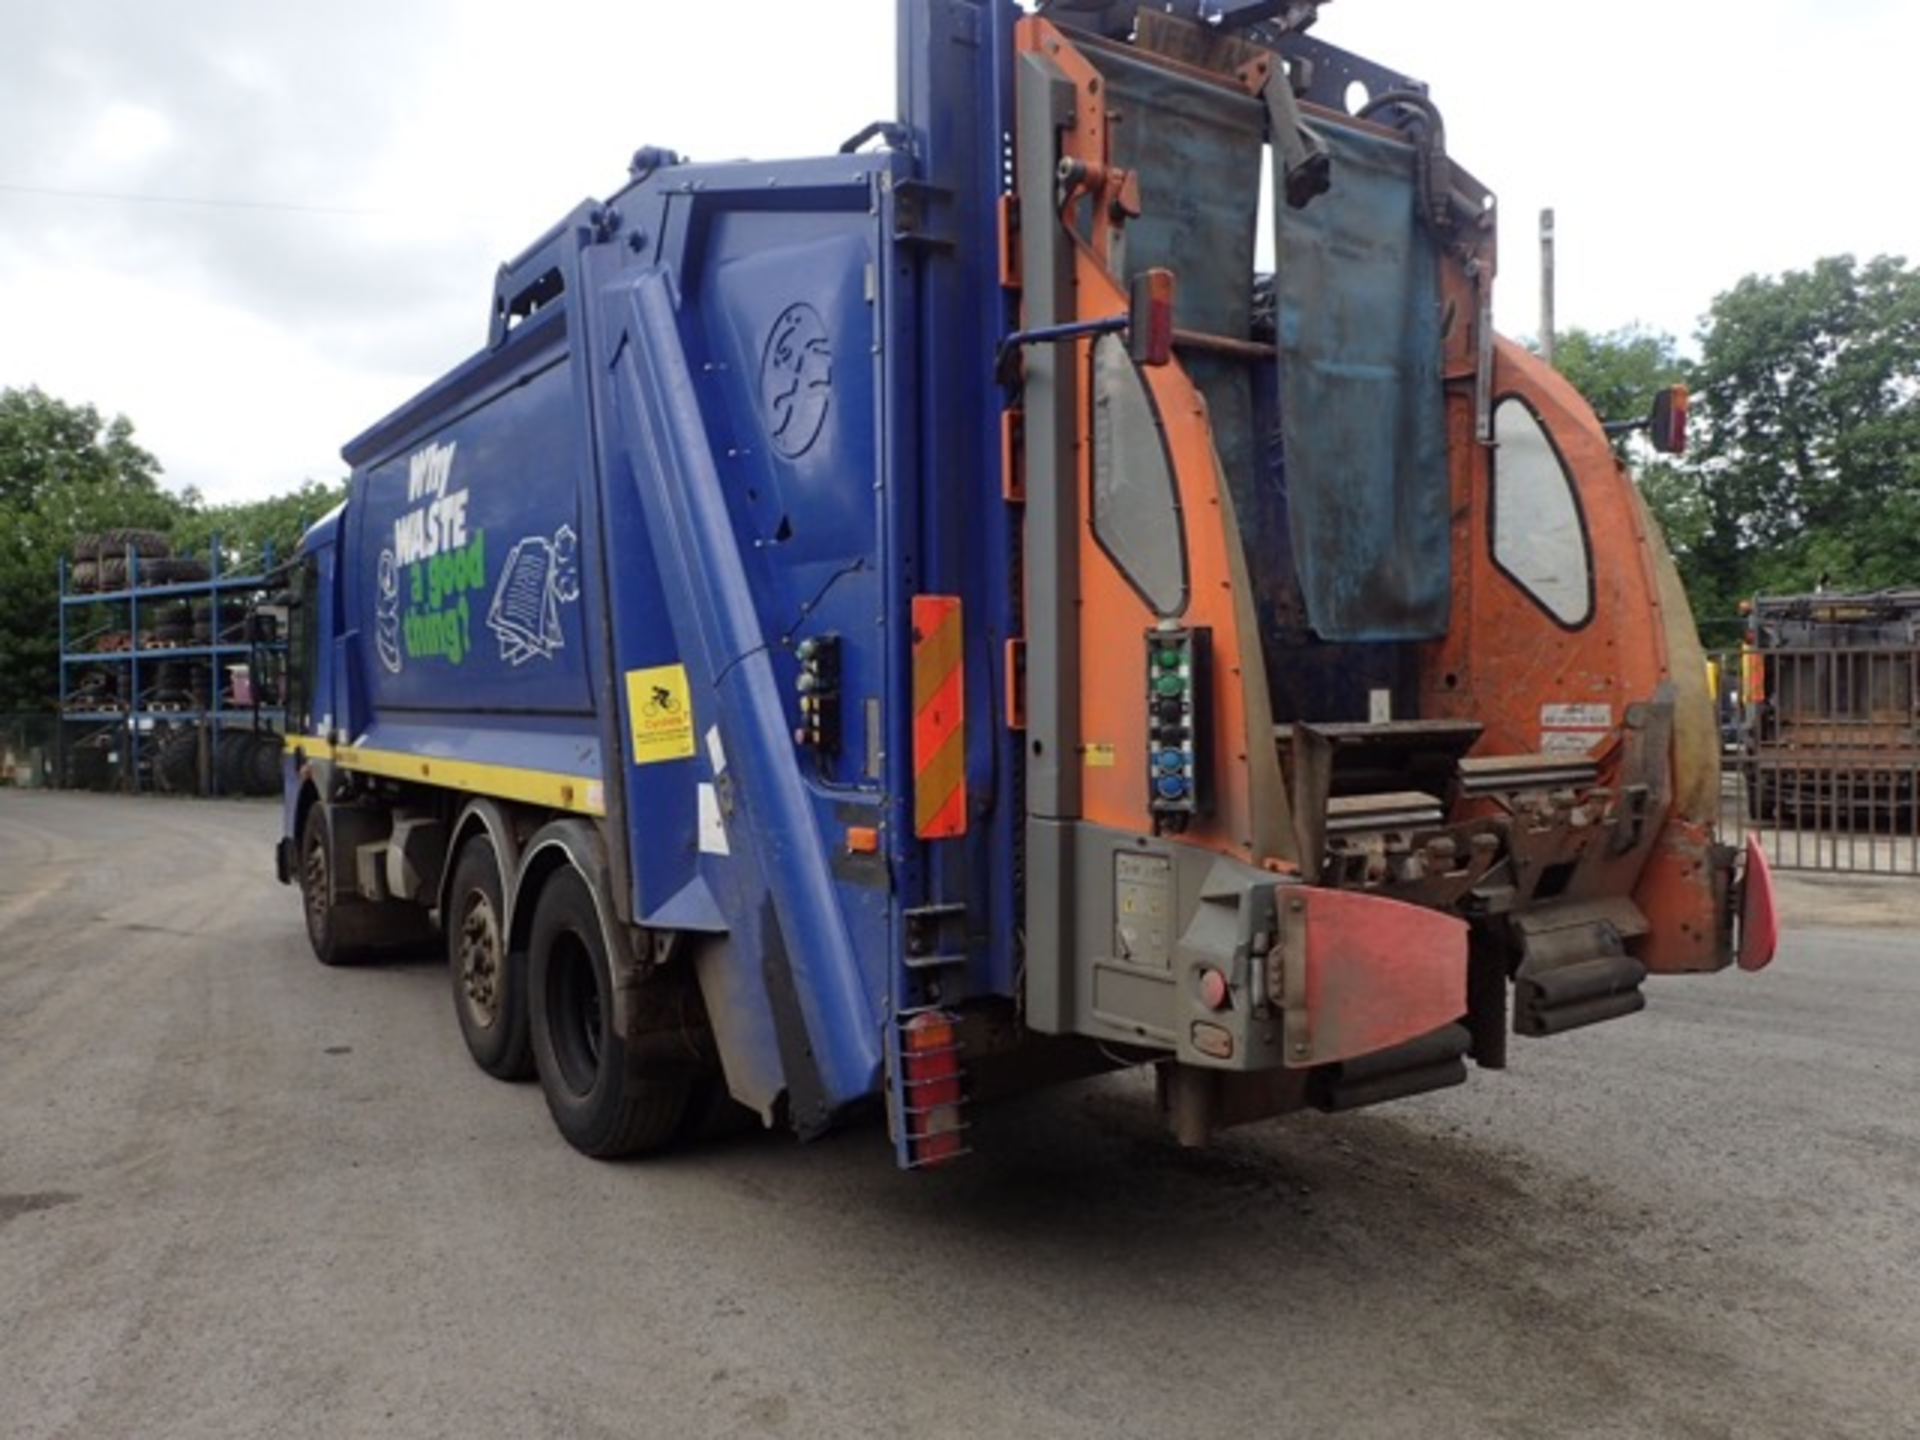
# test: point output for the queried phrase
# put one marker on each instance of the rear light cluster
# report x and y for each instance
(934, 1091)
(818, 684)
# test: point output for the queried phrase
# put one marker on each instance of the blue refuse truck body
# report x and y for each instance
(714, 662)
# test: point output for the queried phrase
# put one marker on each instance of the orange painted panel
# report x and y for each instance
(1505, 661)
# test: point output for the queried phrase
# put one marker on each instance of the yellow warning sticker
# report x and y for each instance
(1101, 755)
(662, 714)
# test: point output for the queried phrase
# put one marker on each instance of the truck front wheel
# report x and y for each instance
(602, 1100)
(334, 937)
(489, 990)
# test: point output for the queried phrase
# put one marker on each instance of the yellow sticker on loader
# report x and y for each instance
(661, 710)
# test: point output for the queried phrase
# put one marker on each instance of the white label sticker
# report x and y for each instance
(713, 830)
(1573, 729)
(1576, 717)
(1569, 742)
(715, 753)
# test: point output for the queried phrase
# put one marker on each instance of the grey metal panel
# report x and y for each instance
(1051, 934)
(1137, 983)
(1052, 405)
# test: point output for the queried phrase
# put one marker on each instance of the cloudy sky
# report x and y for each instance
(254, 226)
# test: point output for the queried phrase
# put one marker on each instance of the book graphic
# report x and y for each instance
(539, 577)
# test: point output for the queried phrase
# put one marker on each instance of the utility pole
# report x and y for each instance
(1546, 285)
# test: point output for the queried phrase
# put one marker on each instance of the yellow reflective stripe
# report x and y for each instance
(575, 793)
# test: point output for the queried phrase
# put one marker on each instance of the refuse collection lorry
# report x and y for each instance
(1000, 603)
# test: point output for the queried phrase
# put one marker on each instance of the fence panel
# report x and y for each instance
(28, 751)
(1821, 751)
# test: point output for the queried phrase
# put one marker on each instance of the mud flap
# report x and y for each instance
(1759, 921)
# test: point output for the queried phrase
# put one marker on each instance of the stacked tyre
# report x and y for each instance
(239, 762)
(172, 625)
(93, 763)
(180, 685)
(176, 760)
(100, 561)
(224, 623)
(95, 690)
(247, 762)
(118, 559)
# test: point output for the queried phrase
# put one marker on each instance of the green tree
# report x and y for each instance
(1808, 394)
(253, 535)
(64, 471)
(1618, 371)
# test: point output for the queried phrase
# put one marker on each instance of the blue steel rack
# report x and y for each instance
(109, 631)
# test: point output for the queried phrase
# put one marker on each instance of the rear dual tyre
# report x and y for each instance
(603, 1100)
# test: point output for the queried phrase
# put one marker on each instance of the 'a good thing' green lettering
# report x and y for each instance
(439, 619)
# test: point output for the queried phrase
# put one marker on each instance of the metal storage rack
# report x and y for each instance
(171, 684)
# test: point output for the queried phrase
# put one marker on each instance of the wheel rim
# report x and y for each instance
(319, 887)
(480, 954)
(579, 1018)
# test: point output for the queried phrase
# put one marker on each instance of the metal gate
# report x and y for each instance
(1820, 736)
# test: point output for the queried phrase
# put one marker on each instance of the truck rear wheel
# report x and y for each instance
(600, 1098)
(489, 992)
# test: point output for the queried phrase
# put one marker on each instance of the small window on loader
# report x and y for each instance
(1539, 535)
(1136, 505)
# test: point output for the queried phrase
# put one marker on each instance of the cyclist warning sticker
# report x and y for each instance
(662, 714)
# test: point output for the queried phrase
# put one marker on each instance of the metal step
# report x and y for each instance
(1499, 774)
(1350, 814)
(1575, 969)
(1349, 778)
(1431, 1062)
(1551, 1002)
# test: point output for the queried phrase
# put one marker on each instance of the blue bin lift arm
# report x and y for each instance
(813, 972)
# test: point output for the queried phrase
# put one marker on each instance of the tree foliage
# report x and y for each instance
(1618, 371)
(1808, 389)
(64, 471)
(68, 472)
(255, 535)
(1805, 461)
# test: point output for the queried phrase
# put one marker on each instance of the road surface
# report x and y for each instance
(241, 1195)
